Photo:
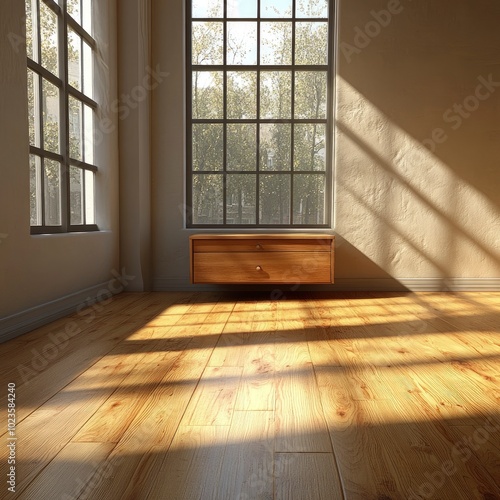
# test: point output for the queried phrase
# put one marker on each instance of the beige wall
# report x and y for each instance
(35, 270)
(403, 213)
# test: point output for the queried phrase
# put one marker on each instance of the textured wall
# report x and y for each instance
(417, 142)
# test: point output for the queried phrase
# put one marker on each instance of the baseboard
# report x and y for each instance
(347, 284)
(25, 321)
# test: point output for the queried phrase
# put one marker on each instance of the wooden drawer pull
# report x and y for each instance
(258, 268)
(258, 246)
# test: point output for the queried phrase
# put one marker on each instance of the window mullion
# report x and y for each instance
(63, 58)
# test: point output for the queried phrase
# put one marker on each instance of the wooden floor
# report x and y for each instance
(238, 397)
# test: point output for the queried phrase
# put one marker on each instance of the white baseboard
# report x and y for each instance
(25, 321)
(342, 285)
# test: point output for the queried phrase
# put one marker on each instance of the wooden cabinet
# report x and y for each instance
(262, 258)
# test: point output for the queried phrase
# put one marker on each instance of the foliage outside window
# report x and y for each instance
(61, 106)
(258, 113)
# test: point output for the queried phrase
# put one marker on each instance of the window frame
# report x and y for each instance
(258, 68)
(64, 21)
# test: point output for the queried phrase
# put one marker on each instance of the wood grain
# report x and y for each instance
(349, 396)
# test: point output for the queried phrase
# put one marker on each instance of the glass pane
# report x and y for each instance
(241, 94)
(241, 43)
(274, 199)
(311, 43)
(312, 8)
(242, 8)
(208, 43)
(50, 94)
(275, 94)
(31, 30)
(48, 31)
(88, 135)
(242, 146)
(309, 199)
(74, 10)
(34, 108)
(276, 43)
(76, 195)
(207, 94)
(310, 94)
(272, 8)
(52, 193)
(240, 199)
(35, 191)
(309, 146)
(208, 146)
(88, 70)
(87, 16)
(75, 129)
(89, 197)
(275, 146)
(208, 8)
(207, 199)
(74, 59)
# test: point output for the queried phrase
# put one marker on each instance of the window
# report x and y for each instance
(61, 106)
(259, 113)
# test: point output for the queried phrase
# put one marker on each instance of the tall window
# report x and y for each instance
(259, 113)
(60, 50)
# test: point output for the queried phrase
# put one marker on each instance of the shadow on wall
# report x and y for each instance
(418, 98)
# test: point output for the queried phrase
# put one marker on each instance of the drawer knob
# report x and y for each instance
(258, 268)
(258, 246)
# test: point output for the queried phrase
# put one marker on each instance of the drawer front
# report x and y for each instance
(267, 267)
(262, 245)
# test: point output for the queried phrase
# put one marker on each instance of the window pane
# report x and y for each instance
(274, 199)
(87, 16)
(208, 146)
(34, 108)
(309, 146)
(242, 146)
(74, 59)
(242, 8)
(88, 70)
(48, 31)
(207, 199)
(309, 199)
(275, 146)
(31, 30)
(76, 195)
(50, 95)
(35, 191)
(208, 43)
(52, 193)
(312, 8)
(241, 43)
(275, 94)
(272, 8)
(208, 8)
(88, 135)
(311, 43)
(75, 129)
(276, 43)
(241, 94)
(89, 197)
(310, 94)
(74, 10)
(240, 199)
(207, 94)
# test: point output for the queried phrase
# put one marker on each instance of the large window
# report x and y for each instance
(61, 106)
(259, 113)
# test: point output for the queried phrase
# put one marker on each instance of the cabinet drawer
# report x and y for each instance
(262, 245)
(266, 267)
